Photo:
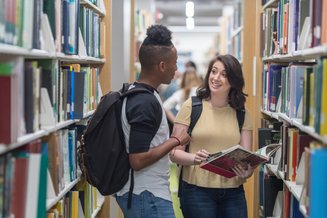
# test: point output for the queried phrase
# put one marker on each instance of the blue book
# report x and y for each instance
(296, 24)
(318, 181)
(275, 84)
(296, 213)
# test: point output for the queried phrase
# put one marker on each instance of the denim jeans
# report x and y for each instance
(200, 202)
(146, 205)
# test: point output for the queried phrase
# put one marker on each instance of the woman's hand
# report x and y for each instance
(200, 156)
(243, 172)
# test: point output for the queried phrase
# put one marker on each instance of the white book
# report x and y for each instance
(65, 150)
(300, 171)
(278, 207)
(28, 24)
(81, 44)
(33, 185)
(305, 36)
(46, 113)
(50, 188)
(47, 40)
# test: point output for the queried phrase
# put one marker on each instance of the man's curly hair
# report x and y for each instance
(156, 46)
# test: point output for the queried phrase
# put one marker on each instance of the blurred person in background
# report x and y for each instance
(190, 82)
(166, 91)
(190, 64)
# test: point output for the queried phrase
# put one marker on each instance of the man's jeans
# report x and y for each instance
(201, 202)
(146, 205)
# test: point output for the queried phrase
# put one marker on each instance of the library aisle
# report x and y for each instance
(58, 57)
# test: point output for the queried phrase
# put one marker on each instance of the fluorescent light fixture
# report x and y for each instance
(190, 23)
(189, 9)
(197, 29)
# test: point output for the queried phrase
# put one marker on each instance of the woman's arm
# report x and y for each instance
(246, 139)
(180, 156)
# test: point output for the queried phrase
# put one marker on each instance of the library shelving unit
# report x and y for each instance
(231, 24)
(54, 64)
(293, 86)
(142, 19)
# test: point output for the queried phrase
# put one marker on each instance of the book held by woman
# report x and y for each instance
(222, 162)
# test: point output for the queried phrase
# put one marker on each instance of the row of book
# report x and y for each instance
(89, 23)
(82, 201)
(298, 165)
(62, 159)
(230, 40)
(38, 172)
(23, 181)
(60, 21)
(63, 18)
(40, 94)
(19, 22)
(277, 199)
(293, 25)
(297, 90)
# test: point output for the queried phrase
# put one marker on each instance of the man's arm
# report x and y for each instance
(141, 160)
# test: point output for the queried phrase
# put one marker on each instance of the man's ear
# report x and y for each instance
(162, 66)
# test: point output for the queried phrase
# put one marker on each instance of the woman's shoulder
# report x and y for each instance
(188, 102)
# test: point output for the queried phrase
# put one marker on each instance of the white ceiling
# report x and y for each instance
(206, 12)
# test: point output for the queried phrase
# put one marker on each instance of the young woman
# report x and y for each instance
(190, 82)
(206, 194)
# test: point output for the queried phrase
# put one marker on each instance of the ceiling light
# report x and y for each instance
(189, 9)
(190, 23)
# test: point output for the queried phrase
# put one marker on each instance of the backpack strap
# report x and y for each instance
(130, 192)
(125, 87)
(129, 92)
(240, 113)
(195, 115)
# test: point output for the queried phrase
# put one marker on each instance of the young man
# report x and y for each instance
(146, 131)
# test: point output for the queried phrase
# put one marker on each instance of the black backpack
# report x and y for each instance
(102, 154)
(195, 115)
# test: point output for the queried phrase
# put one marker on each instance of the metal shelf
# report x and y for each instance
(51, 202)
(42, 54)
(95, 8)
(297, 123)
(270, 4)
(30, 137)
(309, 54)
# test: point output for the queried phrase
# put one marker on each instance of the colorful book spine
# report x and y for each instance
(318, 181)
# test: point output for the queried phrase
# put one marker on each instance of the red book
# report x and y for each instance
(222, 162)
(5, 109)
(19, 189)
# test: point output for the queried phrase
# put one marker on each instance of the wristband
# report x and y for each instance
(174, 137)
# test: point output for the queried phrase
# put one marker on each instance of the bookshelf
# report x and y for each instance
(142, 19)
(231, 24)
(51, 77)
(292, 82)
